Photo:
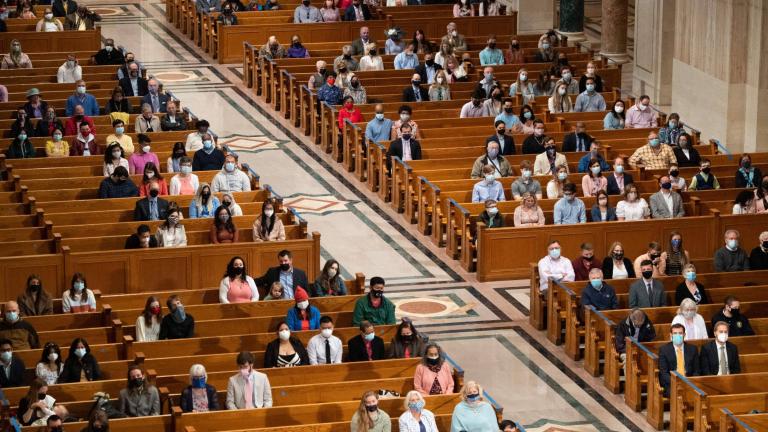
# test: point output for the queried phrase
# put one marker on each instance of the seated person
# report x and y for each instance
(248, 388)
(593, 182)
(231, 178)
(120, 137)
(172, 120)
(598, 293)
(654, 256)
(489, 188)
(237, 286)
(268, 227)
(78, 298)
(569, 209)
(35, 300)
(177, 324)
(366, 346)
(84, 143)
(731, 257)
(525, 182)
(548, 161)
(285, 273)
(141, 239)
(223, 229)
(688, 316)
(204, 204)
(632, 207)
(719, 357)
(11, 366)
(492, 157)
(37, 405)
(704, 180)
(738, 324)
(152, 174)
(602, 210)
(616, 265)
(374, 307)
(638, 326)
(689, 288)
(583, 265)
(491, 216)
(139, 398)
(80, 365)
(303, 316)
(320, 346)
(407, 342)
(286, 350)
(433, 369)
(151, 207)
(329, 282)
(406, 148)
(529, 213)
(199, 396)
(677, 356)
(275, 292)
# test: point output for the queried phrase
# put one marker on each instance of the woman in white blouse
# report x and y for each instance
(113, 158)
(78, 298)
(171, 233)
(416, 415)
(371, 61)
(50, 365)
(560, 102)
(632, 207)
(687, 315)
(148, 323)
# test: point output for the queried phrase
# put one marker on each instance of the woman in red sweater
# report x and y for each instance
(348, 111)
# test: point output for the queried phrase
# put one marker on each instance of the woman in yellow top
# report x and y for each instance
(57, 147)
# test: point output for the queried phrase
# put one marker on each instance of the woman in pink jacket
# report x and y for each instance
(433, 376)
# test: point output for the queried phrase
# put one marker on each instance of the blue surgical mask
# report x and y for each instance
(80, 352)
(416, 406)
(733, 244)
(618, 168)
(677, 339)
(554, 253)
(369, 337)
(11, 316)
(207, 144)
(690, 275)
(590, 88)
(379, 116)
(596, 283)
(676, 242)
(78, 286)
(595, 170)
(119, 130)
(229, 166)
(654, 142)
(198, 382)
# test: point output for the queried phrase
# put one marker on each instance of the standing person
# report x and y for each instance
(249, 388)
(139, 399)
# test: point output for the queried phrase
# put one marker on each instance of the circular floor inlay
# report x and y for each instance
(107, 11)
(174, 76)
(423, 307)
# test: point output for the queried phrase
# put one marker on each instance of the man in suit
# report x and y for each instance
(618, 179)
(405, 147)
(506, 142)
(154, 98)
(285, 273)
(357, 12)
(248, 388)
(11, 366)
(719, 357)
(647, 291)
(134, 84)
(151, 207)
(666, 203)
(671, 353)
(415, 92)
(428, 70)
(358, 45)
(366, 346)
(578, 140)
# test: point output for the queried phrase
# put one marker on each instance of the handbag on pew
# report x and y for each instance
(101, 402)
(388, 394)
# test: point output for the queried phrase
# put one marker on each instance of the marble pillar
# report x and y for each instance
(613, 37)
(654, 44)
(572, 20)
(533, 16)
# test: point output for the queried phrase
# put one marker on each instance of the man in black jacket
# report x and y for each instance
(428, 70)
(637, 325)
(62, 8)
(11, 366)
(141, 239)
(134, 84)
(669, 353)
(738, 324)
(578, 140)
(366, 346)
(355, 9)
(719, 357)
(618, 179)
(415, 92)
(506, 142)
(285, 273)
(405, 147)
(151, 207)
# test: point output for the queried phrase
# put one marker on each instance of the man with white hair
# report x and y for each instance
(454, 39)
(157, 100)
(731, 257)
(598, 293)
(758, 258)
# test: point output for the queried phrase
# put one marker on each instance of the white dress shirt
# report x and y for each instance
(559, 269)
(316, 349)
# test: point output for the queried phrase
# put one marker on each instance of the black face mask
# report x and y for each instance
(433, 362)
(706, 170)
(206, 195)
(508, 110)
(492, 45)
(226, 203)
(735, 313)
(285, 267)
(237, 270)
(765, 245)
(343, 70)
(377, 294)
(153, 193)
(674, 173)
(430, 63)
(35, 287)
(765, 185)
(500, 131)
(647, 274)
(498, 96)
(515, 46)
(618, 256)
(137, 382)
(407, 338)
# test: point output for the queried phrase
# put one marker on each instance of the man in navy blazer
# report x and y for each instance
(285, 273)
(617, 175)
(358, 350)
(710, 362)
(506, 142)
(668, 357)
(157, 100)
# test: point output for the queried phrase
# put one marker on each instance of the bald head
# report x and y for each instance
(11, 306)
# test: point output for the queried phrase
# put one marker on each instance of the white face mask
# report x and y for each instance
(285, 334)
(303, 304)
(619, 109)
(331, 272)
(722, 337)
(269, 213)
(326, 333)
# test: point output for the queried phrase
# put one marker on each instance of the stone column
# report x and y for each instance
(533, 16)
(572, 20)
(613, 37)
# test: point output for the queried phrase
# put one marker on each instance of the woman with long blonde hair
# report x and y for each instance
(368, 417)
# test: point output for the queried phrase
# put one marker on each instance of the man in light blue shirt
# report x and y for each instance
(306, 13)
(511, 121)
(407, 59)
(380, 128)
(491, 55)
(590, 100)
(570, 210)
(488, 188)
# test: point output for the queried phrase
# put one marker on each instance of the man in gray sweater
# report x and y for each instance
(731, 257)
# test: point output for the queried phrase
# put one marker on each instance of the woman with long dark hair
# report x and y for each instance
(148, 323)
(35, 300)
(329, 282)
(268, 226)
(78, 298)
(237, 286)
(223, 230)
(81, 365)
(50, 365)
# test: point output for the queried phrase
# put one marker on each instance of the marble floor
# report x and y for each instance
(483, 326)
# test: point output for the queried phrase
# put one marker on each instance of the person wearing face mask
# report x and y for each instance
(719, 357)
(195, 140)
(231, 178)
(113, 158)
(653, 255)
(747, 176)
(546, 53)
(303, 316)
(148, 322)
(488, 188)
(118, 185)
(272, 49)
(37, 405)
(525, 183)
(445, 52)
(223, 228)
(366, 346)
(151, 207)
(632, 207)
(16, 59)
(394, 44)
(119, 136)
(357, 11)
(416, 418)
(408, 342)
(379, 128)
(673, 129)
(557, 183)
(199, 396)
(374, 307)
(139, 398)
(704, 179)
(677, 356)
(156, 99)
(237, 286)
(738, 324)
(758, 257)
(61, 8)
(11, 366)
(405, 113)
(118, 105)
(98, 422)
(80, 365)
(329, 282)
(506, 142)
(473, 413)
(731, 257)
(593, 182)
(36, 107)
(371, 61)
(50, 365)
(35, 300)
(666, 203)
(204, 203)
(589, 100)
(616, 117)
(618, 180)
(330, 93)
(172, 120)
(84, 144)
(492, 157)
(439, 90)
(554, 266)
(228, 201)
(597, 293)
(405, 147)
(21, 333)
(475, 107)
(88, 102)
(490, 216)
(534, 143)
(306, 13)
(317, 79)
(591, 72)
(687, 315)
(678, 182)
(22, 123)
(177, 324)
(514, 55)
(491, 55)
(134, 84)
(569, 209)
(107, 55)
(248, 388)
(585, 263)
(579, 141)
(428, 71)
(21, 147)
(529, 213)
(560, 102)
(138, 160)
(78, 298)
(616, 265)
(130, 58)
(455, 39)
(353, 94)
(368, 417)
(638, 326)
(171, 232)
(549, 159)
(286, 350)
(689, 288)
(415, 92)
(141, 239)
(86, 19)
(325, 348)
(207, 6)
(641, 115)
(227, 16)
(493, 105)
(523, 87)
(289, 276)
(571, 85)
(433, 375)
(646, 292)
(329, 12)
(269, 226)
(152, 174)
(147, 122)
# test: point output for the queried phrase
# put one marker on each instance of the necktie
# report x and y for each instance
(248, 393)
(723, 361)
(680, 361)
(155, 104)
(153, 210)
(417, 93)
(327, 351)
(650, 288)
